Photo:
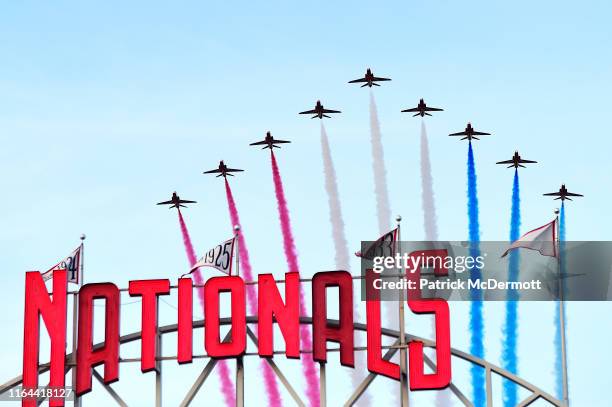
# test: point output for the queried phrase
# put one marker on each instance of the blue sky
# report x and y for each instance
(107, 107)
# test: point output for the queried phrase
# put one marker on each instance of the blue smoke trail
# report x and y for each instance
(474, 228)
(510, 332)
(476, 318)
(558, 353)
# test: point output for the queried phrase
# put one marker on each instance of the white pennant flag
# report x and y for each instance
(220, 257)
(384, 246)
(72, 265)
(542, 239)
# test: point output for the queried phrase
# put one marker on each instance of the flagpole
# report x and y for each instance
(82, 259)
(403, 360)
(239, 360)
(75, 314)
(562, 314)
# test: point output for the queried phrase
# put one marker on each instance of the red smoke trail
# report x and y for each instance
(310, 372)
(227, 387)
(191, 257)
(245, 270)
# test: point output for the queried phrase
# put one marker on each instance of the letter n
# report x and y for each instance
(287, 314)
(53, 312)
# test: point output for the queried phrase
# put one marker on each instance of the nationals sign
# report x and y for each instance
(271, 309)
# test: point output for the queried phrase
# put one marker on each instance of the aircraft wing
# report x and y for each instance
(280, 141)
(309, 112)
(414, 109)
(433, 109)
(552, 194)
(212, 171)
(165, 203)
(461, 133)
(186, 201)
(259, 143)
(380, 79)
(480, 133)
(505, 162)
(233, 170)
(331, 111)
(527, 161)
(358, 80)
(572, 194)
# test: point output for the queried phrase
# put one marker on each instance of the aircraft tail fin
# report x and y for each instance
(427, 114)
(220, 175)
(568, 198)
(511, 165)
(416, 114)
(475, 138)
(275, 146)
(521, 165)
(556, 199)
(326, 116)
(375, 84)
(364, 85)
(314, 117)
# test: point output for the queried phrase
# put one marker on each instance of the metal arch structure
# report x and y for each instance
(490, 369)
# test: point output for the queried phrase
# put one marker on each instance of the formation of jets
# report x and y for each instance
(470, 134)
(516, 161)
(176, 202)
(369, 79)
(562, 194)
(422, 109)
(319, 111)
(269, 142)
(223, 170)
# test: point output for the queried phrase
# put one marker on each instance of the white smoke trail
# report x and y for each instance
(381, 192)
(430, 225)
(342, 252)
(427, 194)
(335, 211)
(380, 174)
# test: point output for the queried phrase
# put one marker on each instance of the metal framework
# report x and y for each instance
(401, 339)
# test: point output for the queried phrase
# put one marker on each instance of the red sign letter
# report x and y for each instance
(376, 364)
(321, 331)
(213, 287)
(287, 315)
(441, 378)
(185, 316)
(439, 307)
(424, 259)
(87, 358)
(38, 303)
(149, 290)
